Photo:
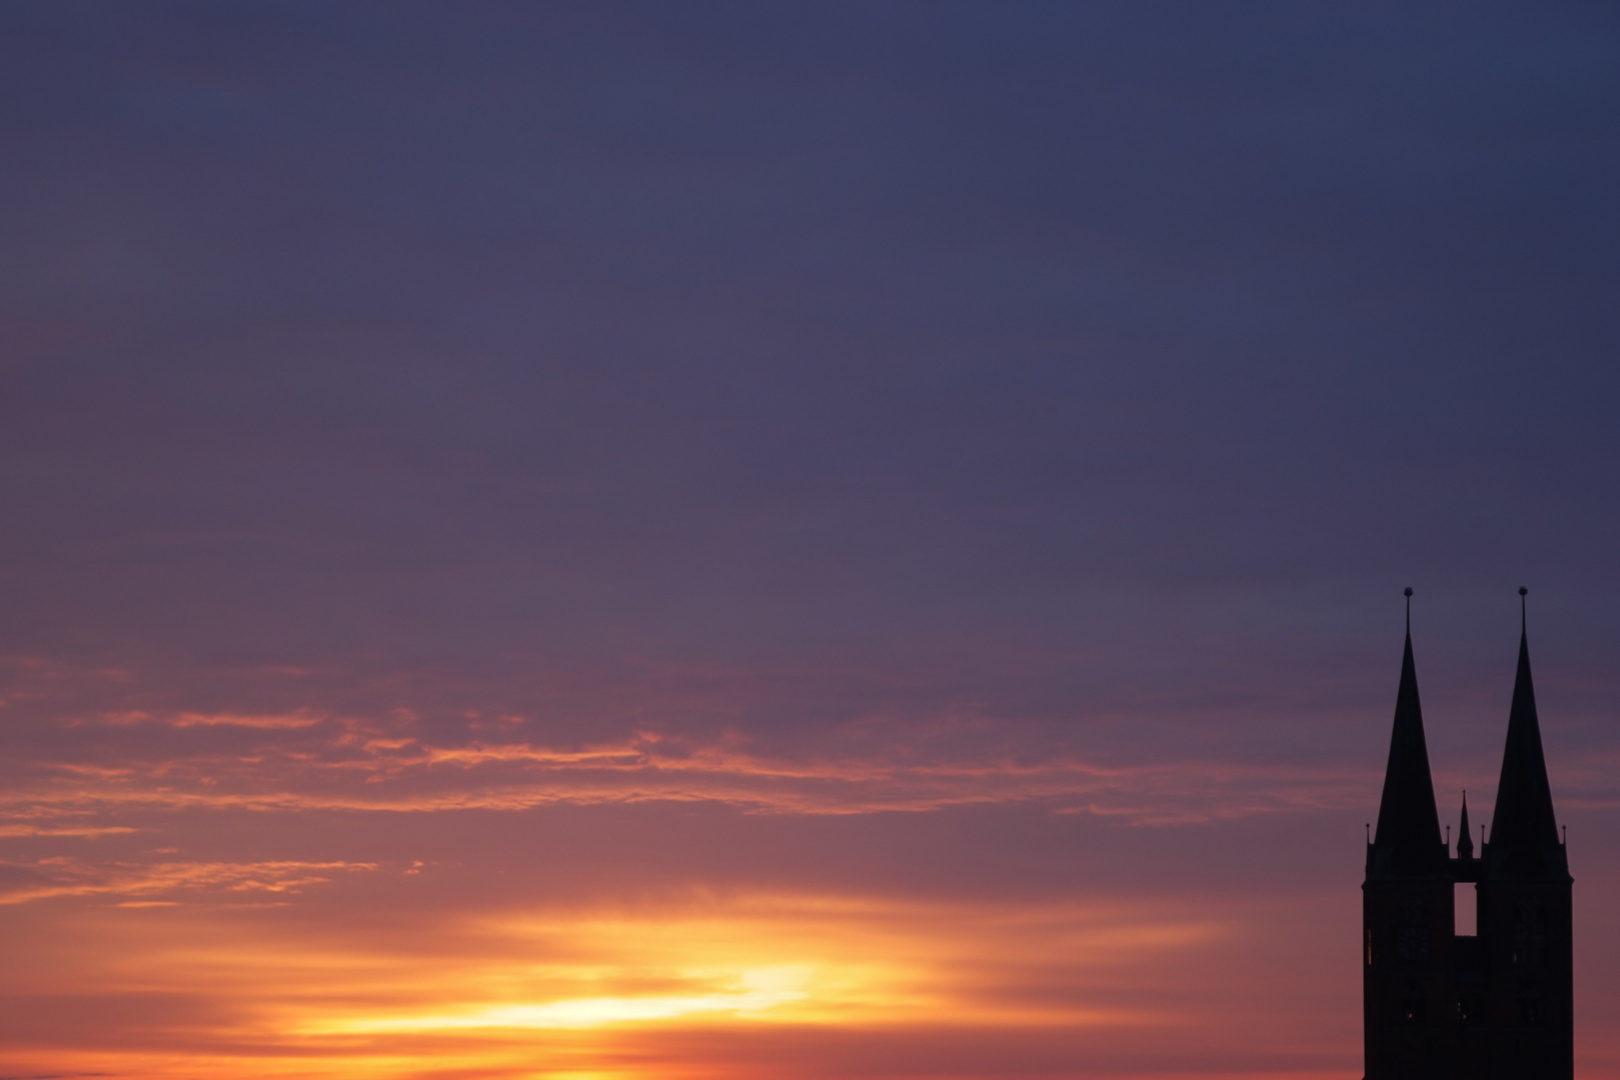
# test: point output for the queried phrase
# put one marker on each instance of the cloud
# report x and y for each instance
(357, 770)
(67, 830)
(63, 876)
(193, 719)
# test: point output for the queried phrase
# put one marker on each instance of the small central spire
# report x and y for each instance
(1465, 843)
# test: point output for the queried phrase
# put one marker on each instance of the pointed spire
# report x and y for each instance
(1465, 842)
(1524, 831)
(1407, 843)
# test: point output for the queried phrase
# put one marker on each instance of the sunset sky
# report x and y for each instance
(781, 541)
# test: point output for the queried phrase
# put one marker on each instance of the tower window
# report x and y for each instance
(1412, 935)
(1467, 910)
(1529, 934)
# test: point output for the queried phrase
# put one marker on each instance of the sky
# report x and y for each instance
(707, 540)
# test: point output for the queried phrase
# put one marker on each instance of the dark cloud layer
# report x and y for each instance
(730, 328)
(795, 447)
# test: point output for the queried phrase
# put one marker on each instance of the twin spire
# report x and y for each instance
(1524, 828)
(1524, 833)
(1408, 842)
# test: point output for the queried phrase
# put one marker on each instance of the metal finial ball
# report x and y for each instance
(1409, 591)
(1523, 591)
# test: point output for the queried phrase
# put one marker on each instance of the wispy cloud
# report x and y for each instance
(65, 830)
(196, 719)
(62, 876)
(358, 770)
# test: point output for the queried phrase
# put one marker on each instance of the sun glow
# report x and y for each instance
(758, 960)
(609, 992)
(762, 989)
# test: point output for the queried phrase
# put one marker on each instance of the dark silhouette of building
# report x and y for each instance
(1494, 1005)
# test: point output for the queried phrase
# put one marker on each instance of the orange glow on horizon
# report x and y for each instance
(489, 993)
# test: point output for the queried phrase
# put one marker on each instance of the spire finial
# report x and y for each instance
(1523, 592)
(1409, 609)
(1465, 841)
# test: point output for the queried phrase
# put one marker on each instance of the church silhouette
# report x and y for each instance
(1495, 1005)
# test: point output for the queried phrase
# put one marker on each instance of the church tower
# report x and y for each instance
(1497, 1004)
